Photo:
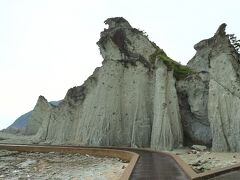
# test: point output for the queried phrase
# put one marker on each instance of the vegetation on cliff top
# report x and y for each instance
(235, 42)
(179, 71)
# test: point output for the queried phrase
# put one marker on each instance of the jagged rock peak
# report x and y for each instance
(42, 99)
(221, 30)
(220, 34)
(208, 48)
(117, 22)
(38, 115)
(128, 45)
(120, 42)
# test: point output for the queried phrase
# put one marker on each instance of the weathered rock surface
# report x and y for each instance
(199, 147)
(27, 124)
(36, 119)
(166, 112)
(224, 94)
(140, 97)
(213, 94)
(119, 104)
(193, 100)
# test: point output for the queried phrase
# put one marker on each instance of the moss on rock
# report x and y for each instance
(180, 71)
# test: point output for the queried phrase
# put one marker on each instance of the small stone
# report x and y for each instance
(26, 163)
(199, 147)
(194, 152)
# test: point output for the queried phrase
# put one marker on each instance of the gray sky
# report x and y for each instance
(48, 46)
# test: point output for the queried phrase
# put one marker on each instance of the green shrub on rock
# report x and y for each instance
(180, 71)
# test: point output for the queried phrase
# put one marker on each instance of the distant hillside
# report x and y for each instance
(20, 123)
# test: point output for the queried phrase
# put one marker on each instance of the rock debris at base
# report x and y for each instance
(53, 165)
(202, 161)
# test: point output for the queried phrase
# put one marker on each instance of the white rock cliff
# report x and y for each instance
(213, 94)
(130, 101)
(140, 97)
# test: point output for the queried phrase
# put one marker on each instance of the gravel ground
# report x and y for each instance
(20, 165)
(202, 161)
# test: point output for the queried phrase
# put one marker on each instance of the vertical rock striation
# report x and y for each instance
(224, 93)
(39, 114)
(213, 95)
(121, 102)
(140, 97)
(166, 120)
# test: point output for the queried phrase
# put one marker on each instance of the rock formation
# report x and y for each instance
(224, 93)
(30, 122)
(140, 97)
(130, 101)
(211, 114)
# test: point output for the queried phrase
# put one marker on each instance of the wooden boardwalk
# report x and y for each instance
(154, 165)
(151, 165)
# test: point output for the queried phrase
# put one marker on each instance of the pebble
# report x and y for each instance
(199, 147)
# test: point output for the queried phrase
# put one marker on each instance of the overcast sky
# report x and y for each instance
(49, 46)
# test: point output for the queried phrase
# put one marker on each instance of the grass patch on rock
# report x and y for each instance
(180, 71)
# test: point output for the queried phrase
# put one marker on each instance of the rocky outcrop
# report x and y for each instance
(193, 97)
(40, 112)
(19, 126)
(130, 101)
(211, 115)
(224, 94)
(142, 98)
(166, 121)
(193, 104)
